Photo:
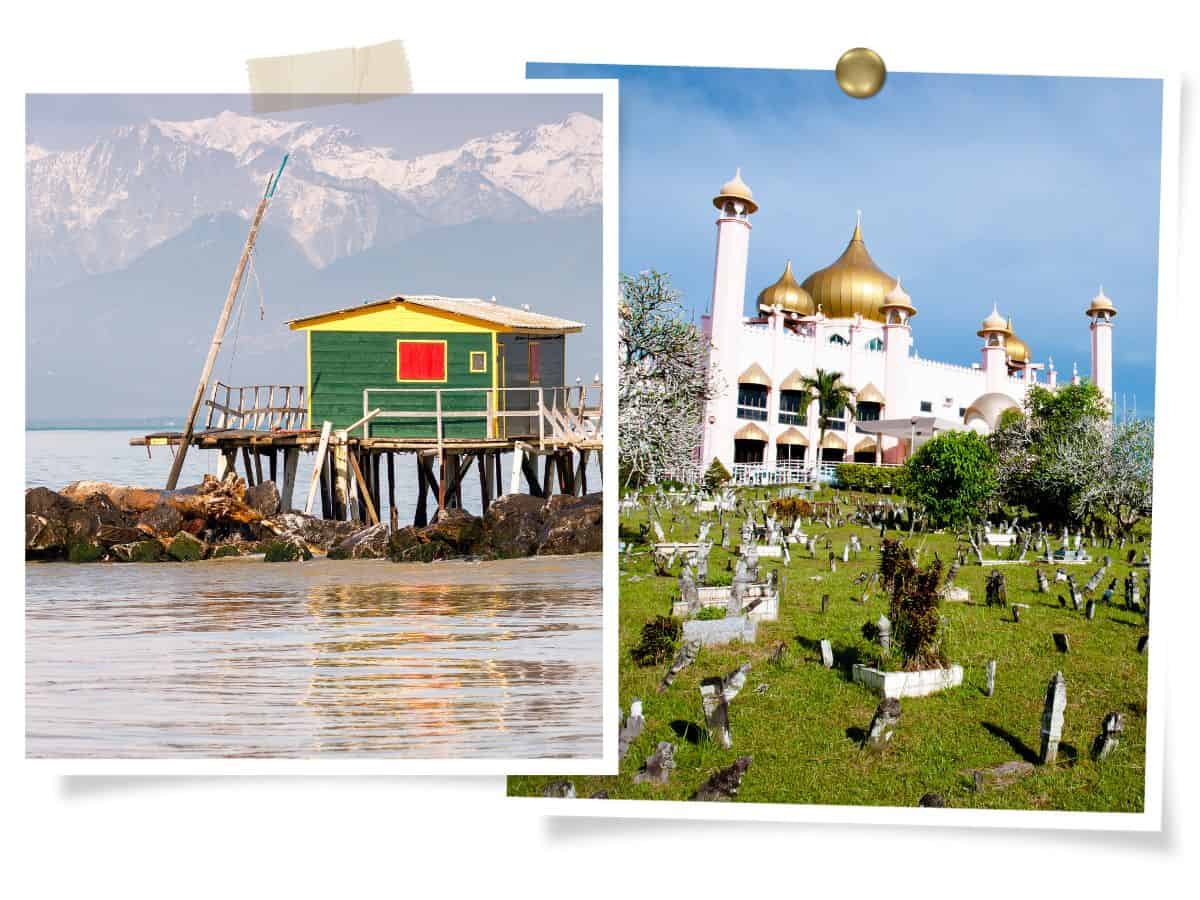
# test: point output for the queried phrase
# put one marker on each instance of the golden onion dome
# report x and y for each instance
(851, 284)
(1101, 304)
(1018, 350)
(994, 324)
(897, 298)
(736, 189)
(787, 293)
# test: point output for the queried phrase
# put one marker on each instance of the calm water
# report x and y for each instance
(241, 658)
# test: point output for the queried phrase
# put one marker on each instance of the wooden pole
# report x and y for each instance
(215, 347)
(391, 470)
(316, 477)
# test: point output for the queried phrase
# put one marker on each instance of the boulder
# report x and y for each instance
(512, 526)
(138, 551)
(457, 529)
(369, 543)
(43, 536)
(286, 550)
(572, 525)
(40, 501)
(263, 498)
(161, 520)
(118, 534)
(186, 548)
(320, 534)
(82, 550)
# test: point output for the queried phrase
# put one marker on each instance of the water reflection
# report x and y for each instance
(237, 658)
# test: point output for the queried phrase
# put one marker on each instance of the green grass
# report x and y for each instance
(804, 731)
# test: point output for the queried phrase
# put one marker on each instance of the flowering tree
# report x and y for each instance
(1110, 468)
(664, 380)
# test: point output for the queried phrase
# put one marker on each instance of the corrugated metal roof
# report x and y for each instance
(472, 307)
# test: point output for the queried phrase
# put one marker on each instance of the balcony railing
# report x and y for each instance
(753, 413)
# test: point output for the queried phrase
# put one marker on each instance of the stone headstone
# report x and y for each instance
(885, 633)
(991, 678)
(1001, 776)
(631, 728)
(824, 603)
(932, 801)
(716, 694)
(1052, 718)
(658, 765)
(883, 725)
(779, 654)
(1109, 737)
(1091, 610)
(826, 653)
(684, 657)
(559, 789)
(1061, 642)
(1143, 641)
(724, 783)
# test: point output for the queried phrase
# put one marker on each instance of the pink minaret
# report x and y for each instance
(897, 309)
(994, 331)
(736, 205)
(1101, 312)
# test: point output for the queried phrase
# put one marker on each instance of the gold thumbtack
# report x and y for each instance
(860, 72)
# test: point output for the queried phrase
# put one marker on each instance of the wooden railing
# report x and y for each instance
(257, 407)
(549, 416)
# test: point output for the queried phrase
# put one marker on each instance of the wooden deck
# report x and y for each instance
(348, 468)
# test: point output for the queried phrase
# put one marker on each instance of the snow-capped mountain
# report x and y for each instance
(100, 207)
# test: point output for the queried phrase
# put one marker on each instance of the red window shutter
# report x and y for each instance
(420, 361)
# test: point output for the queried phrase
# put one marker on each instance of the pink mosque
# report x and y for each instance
(850, 317)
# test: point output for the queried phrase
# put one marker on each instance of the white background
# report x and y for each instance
(125, 836)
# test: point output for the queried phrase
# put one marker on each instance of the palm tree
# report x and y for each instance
(832, 396)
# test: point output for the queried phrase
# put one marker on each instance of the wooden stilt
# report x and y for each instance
(581, 472)
(226, 463)
(376, 487)
(391, 471)
(291, 460)
(529, 468)
(364, 489)
(485, 486)
(258, 478)
(249, 467)
(440, 482)
(322, 481)
(273, 460)
(420, 517)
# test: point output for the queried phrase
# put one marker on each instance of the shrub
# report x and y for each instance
(869, 478)
(914, 609)
(789, 508)
(660, 640)
(716, 475)
(953, 476)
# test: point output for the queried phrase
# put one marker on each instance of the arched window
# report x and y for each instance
(875, 344)
(838, 339)
(752, 402)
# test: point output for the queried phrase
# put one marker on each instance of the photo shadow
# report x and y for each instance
(687, 731)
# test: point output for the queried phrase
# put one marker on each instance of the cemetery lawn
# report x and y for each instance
(804, 731)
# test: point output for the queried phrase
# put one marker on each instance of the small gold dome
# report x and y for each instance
(1101, 304)
(787, 293)
(851, 284)
(736, 189)
(1018, 350)
(994, 324)
(897, 298)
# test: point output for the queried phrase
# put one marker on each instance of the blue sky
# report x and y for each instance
(1024, 191)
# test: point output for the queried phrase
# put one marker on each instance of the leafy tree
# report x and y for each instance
(664, 381)
(716, 475)
(1031, 447)
(953, 476)
(832, 396)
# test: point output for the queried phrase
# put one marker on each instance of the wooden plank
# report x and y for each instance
(326, 428)
(364, 490)
(391, 473)
(421, 516)
(248, 463)
(485, 485)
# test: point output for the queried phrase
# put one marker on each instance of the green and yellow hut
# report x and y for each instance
(411, 354)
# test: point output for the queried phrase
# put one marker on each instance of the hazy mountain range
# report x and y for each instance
(131, 241)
